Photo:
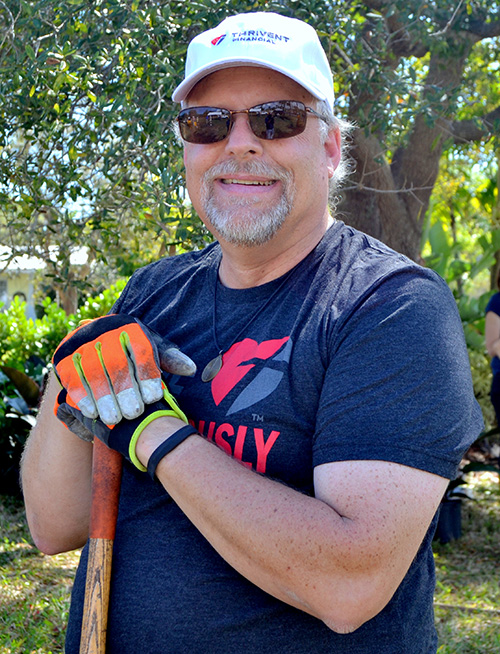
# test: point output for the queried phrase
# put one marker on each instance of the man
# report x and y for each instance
(331, 405)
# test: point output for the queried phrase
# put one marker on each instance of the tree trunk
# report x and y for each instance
(389, 200)
(67, 298)
(373, 203)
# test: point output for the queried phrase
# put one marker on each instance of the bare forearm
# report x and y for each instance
(56, 477)
(494, 348)
(295, 547)
(492, 334)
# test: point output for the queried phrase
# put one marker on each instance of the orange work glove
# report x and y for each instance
(111, 367)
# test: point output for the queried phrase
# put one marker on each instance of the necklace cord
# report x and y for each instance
(214, 365)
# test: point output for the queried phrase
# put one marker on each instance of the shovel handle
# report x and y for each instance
(106, 478)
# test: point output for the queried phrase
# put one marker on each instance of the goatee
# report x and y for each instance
(244, 222)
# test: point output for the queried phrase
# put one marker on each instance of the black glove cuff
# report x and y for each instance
(167, 446)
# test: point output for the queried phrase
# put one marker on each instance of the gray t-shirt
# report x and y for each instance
(358, 354)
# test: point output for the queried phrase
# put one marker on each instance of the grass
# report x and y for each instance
(35, 589)
(467, 597)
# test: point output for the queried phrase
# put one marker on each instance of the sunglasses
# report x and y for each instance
(271, 120)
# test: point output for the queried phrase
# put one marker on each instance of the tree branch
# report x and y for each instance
(475, 129)
(400, 42)
(449, 24)
(483, 29)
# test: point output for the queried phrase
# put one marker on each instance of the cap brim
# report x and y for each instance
(185, 87)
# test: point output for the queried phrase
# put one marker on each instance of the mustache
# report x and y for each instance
(257, 168)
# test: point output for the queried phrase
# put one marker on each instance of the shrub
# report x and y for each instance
(481, 378)
(26, 348)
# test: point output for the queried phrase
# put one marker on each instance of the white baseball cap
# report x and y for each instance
(262, 39)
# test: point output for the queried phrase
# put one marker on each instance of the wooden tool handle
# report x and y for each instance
(106, 478)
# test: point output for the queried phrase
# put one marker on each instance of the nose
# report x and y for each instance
(241, 141)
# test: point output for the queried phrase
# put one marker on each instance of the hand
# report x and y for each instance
(122, 437)
(111, 367)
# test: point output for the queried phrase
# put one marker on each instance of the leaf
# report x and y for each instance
(483, 263)
(439, 240)
(30, 52)
(29, 389)
(495, 239)
(473, 338)
(19, 405)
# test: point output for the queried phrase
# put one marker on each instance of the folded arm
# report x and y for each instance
(339, 556)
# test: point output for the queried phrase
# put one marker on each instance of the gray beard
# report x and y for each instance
(244, 223)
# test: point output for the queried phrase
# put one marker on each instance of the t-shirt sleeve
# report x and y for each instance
(494, 304)
(398, 387)
(130, 295)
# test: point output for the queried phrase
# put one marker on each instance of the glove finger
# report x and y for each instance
(83, 427)
(72, 377)
(69, 416)
(174, 361)
(74, 425)
(143, 382)
(168, 356)
(78, 364)
(124, 398)
(97, 379)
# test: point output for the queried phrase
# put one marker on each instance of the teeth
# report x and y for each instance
(247, 182)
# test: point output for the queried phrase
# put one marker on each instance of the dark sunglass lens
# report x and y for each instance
(278, 120)
(204, 124)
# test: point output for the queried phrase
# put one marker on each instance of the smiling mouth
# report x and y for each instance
(247, 182)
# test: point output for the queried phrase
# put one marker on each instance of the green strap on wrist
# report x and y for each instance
(173, 412)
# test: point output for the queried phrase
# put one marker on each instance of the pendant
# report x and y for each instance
(212, 368)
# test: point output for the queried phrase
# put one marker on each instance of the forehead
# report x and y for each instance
(247, 84)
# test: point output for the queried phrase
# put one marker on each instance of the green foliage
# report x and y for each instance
(88, 156)
(456, 271)
(481, 378)
(26, 348)
(100, 304)
(22, 337)
(461, 242)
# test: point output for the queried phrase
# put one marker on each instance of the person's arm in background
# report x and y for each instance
(492, 334)
(56, 474)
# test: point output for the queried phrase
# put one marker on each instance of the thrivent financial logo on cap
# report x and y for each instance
(253, 35)
(218, 39)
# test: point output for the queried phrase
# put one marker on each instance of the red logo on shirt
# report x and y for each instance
(250, 444)
(237, 362)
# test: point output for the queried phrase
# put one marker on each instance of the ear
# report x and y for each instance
(333, 145)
